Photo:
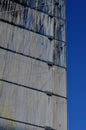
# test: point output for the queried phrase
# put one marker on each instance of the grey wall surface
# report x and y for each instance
(10, 125)
(32, 44)
(29, 72)
(33, 77)
(31, 106)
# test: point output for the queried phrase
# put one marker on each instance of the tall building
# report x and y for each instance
(33, 69)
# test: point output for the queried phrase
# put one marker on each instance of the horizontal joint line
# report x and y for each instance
(22, 27)
(13, 120)
(34, 8)
(19, 53)
(34, 89)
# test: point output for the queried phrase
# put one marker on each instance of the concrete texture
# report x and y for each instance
(38, 33)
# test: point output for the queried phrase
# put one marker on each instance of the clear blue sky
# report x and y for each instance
(76, 39)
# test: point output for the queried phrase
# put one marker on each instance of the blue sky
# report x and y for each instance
(76, 39)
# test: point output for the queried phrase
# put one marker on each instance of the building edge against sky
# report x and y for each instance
(33, 69)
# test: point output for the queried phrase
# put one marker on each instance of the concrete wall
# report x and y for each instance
(32, 44)
(31, 90)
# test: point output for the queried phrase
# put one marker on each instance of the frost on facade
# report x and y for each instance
(33, 84)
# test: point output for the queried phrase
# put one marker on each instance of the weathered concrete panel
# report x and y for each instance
(26, 42)
(30, 19)
(2, 62)
(32, 44)
(32, 32)
(59, 113)
(60, 53)
(5, 31)
(25, 105)
(60, 9)
(33, 107)
(45, 24)
(60, 29)
(35, 20)
(45, 6)
(9, 125)
(58, 81)
(25, 71)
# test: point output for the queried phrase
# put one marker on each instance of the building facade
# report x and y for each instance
(33, 69)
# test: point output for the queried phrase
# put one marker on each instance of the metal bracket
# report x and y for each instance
(50, 63)
(57, 3)
(48, 128)
(49, 93)
(50, 37)
(51, 15)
